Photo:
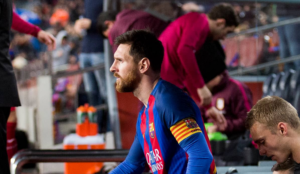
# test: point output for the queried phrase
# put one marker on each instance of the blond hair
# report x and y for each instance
(270, 111)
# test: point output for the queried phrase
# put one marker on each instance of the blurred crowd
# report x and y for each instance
(58, 17)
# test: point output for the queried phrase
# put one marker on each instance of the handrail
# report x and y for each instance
(263, 65)
(266, 27)
(35, 156)
(80, 71)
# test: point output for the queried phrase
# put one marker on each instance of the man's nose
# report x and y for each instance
(262, 152)
(112, 68)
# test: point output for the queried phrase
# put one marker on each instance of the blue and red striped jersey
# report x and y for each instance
(169, 123)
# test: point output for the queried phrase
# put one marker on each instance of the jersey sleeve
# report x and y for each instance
(134, 162)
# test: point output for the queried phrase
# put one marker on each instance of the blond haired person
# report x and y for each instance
(275, 127)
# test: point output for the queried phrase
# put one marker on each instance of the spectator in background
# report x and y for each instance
(289, 36)
(112, 24)
(233, 99)
(59, 19)
(92, 55)
(182, 38)
(60, 55)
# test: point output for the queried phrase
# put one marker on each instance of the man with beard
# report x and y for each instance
(169, 125)
(275, 127)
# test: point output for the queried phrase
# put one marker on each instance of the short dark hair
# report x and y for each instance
(224, 11)
(143, 44)
(105, 16)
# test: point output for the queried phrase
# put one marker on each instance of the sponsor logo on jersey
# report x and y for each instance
(154, 160)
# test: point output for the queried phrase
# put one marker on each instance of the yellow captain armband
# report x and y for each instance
(185, 128)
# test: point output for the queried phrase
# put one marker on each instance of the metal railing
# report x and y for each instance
(242, 71)
(267, 27)
(37, 156)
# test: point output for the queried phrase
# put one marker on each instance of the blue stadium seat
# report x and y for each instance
(294, 83)
(275, 84)
(267, 85)
(284, 84)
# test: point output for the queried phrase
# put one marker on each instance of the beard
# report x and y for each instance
(129, 83)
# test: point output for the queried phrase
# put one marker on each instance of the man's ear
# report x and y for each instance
(109, 23)
(144, 65)
(221, 22)
(282, 128)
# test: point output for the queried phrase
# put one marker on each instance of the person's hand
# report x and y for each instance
(47, 39)
(222, 127)
(212, 129)
(81, 24)
(205, 96)
(218, 118)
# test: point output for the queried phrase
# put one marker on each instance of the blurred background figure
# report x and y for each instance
(112, 24)
(60, 55)
(92, 55)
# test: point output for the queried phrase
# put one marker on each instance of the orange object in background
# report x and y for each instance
(75, 142)
(86, 121)
(60, 16)
(86, 138)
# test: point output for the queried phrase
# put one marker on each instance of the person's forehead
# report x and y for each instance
(258, 130)
(122, 51)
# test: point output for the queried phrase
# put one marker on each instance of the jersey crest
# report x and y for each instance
(151, 130)
(191, 123)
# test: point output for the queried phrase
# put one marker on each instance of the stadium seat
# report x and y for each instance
(294, 83)
(296, 102)
(267, 85)
(275, 84)
(284, 84)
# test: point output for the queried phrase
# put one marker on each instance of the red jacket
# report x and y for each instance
(181, 39)
(128, 20)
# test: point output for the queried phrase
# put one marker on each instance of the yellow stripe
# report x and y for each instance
(177, 124)
(215, 170)
(186, 129)
(185, 132)
(181, 139)
(182, 126)
(180, 131)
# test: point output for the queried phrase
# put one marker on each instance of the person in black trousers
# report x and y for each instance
(8, 88)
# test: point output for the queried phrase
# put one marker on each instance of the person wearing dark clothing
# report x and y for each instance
(233, 99)
(112, 24)
(289, 37)
(211, 59)
(8, 89)
(92, 55)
